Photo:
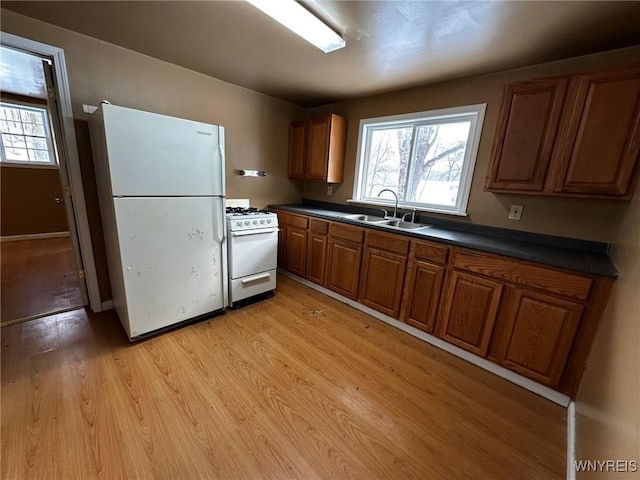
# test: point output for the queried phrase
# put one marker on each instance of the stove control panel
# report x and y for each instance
(252, 222)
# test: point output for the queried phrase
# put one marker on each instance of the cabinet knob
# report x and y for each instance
(58, 200)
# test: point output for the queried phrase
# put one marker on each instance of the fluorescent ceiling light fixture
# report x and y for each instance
(301, 21)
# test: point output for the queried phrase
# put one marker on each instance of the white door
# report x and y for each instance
(173, 259)
(151, 154)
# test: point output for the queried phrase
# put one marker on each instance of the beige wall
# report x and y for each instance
(28, 201)
(577, 218)
(256, 126)
(608, 402)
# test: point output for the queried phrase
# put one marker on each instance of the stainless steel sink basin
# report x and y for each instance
(402, 225)
(366, 218)
(394, 223)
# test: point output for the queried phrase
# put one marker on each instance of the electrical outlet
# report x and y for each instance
(516, 212)
(329, 191)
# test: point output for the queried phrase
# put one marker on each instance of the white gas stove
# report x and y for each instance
(252, 253)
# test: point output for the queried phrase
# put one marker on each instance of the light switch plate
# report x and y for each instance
(329, 190)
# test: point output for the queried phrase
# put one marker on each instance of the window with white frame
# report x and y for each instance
(427, 158)
(25, 136)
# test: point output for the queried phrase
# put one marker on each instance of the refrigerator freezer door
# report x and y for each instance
(156, 155)
(173, 257)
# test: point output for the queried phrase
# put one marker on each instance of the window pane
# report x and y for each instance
(16, 154)
(35, 142)
(33, 129)
(388, 160)
(10, 127)
(12, 114)
(39, 155)
(13, 141)
(439, 154)
(29, 116)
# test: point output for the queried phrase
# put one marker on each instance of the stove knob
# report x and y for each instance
(246, 222)
(268, 220)
(262, 221)
(255, 222)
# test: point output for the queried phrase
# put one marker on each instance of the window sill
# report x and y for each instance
(42, 166)
(407, 207)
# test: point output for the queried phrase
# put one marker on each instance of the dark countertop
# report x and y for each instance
(572, 254)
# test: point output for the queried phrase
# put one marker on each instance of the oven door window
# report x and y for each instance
(252, 251)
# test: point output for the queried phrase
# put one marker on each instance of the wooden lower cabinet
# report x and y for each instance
(382, 280)
(471, 306)
(317, 250)
(343, 267)
(535, 320)
(296, 250)
(423, 288)
(538, 334)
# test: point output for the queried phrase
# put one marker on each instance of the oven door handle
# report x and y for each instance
(255, 278)
(262, 231)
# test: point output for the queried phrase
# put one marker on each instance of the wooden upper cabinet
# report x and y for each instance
(538, 335)
(317, 148)
(569, 136)
(297, 149)
(525, 135)
(599, 140)
(471, 307)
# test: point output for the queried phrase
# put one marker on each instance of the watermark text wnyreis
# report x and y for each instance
(613, 466)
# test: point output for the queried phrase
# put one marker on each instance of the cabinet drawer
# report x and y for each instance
(562, 283)
(292, 219)
(347, 232)
(318, 226)
(431, 251)
(390, 243)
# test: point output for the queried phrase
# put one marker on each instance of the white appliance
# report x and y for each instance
(253, 253)
(161, 187)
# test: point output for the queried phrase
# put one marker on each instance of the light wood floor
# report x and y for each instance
(297, 386)
(39, 277)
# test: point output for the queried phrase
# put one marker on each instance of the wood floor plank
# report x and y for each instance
(296, 386)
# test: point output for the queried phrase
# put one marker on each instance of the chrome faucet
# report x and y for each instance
(395, 207)
(413, 215)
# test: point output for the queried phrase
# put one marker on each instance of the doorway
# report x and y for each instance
(39, 271)
(63, 251)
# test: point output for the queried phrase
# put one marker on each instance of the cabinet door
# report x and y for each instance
(316, 258)
(599, 139)
(525, 135)
(538, 335)
(297, 149)
(382, 280)
(423, 295)
(319, 134)
(296, 251)
(470, 311)
(344, 267)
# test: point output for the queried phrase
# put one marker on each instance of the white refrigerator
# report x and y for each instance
(160, 184)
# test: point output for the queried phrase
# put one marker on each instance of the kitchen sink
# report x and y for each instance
(394, 223)
(366, 218)
(402, 225)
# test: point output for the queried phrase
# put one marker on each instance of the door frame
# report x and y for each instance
(70, 173)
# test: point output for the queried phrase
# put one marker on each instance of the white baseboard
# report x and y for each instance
(571, 440)
(33, 236)
(545, 392)
(108, 305)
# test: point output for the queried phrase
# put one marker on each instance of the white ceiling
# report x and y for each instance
(390, 44)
